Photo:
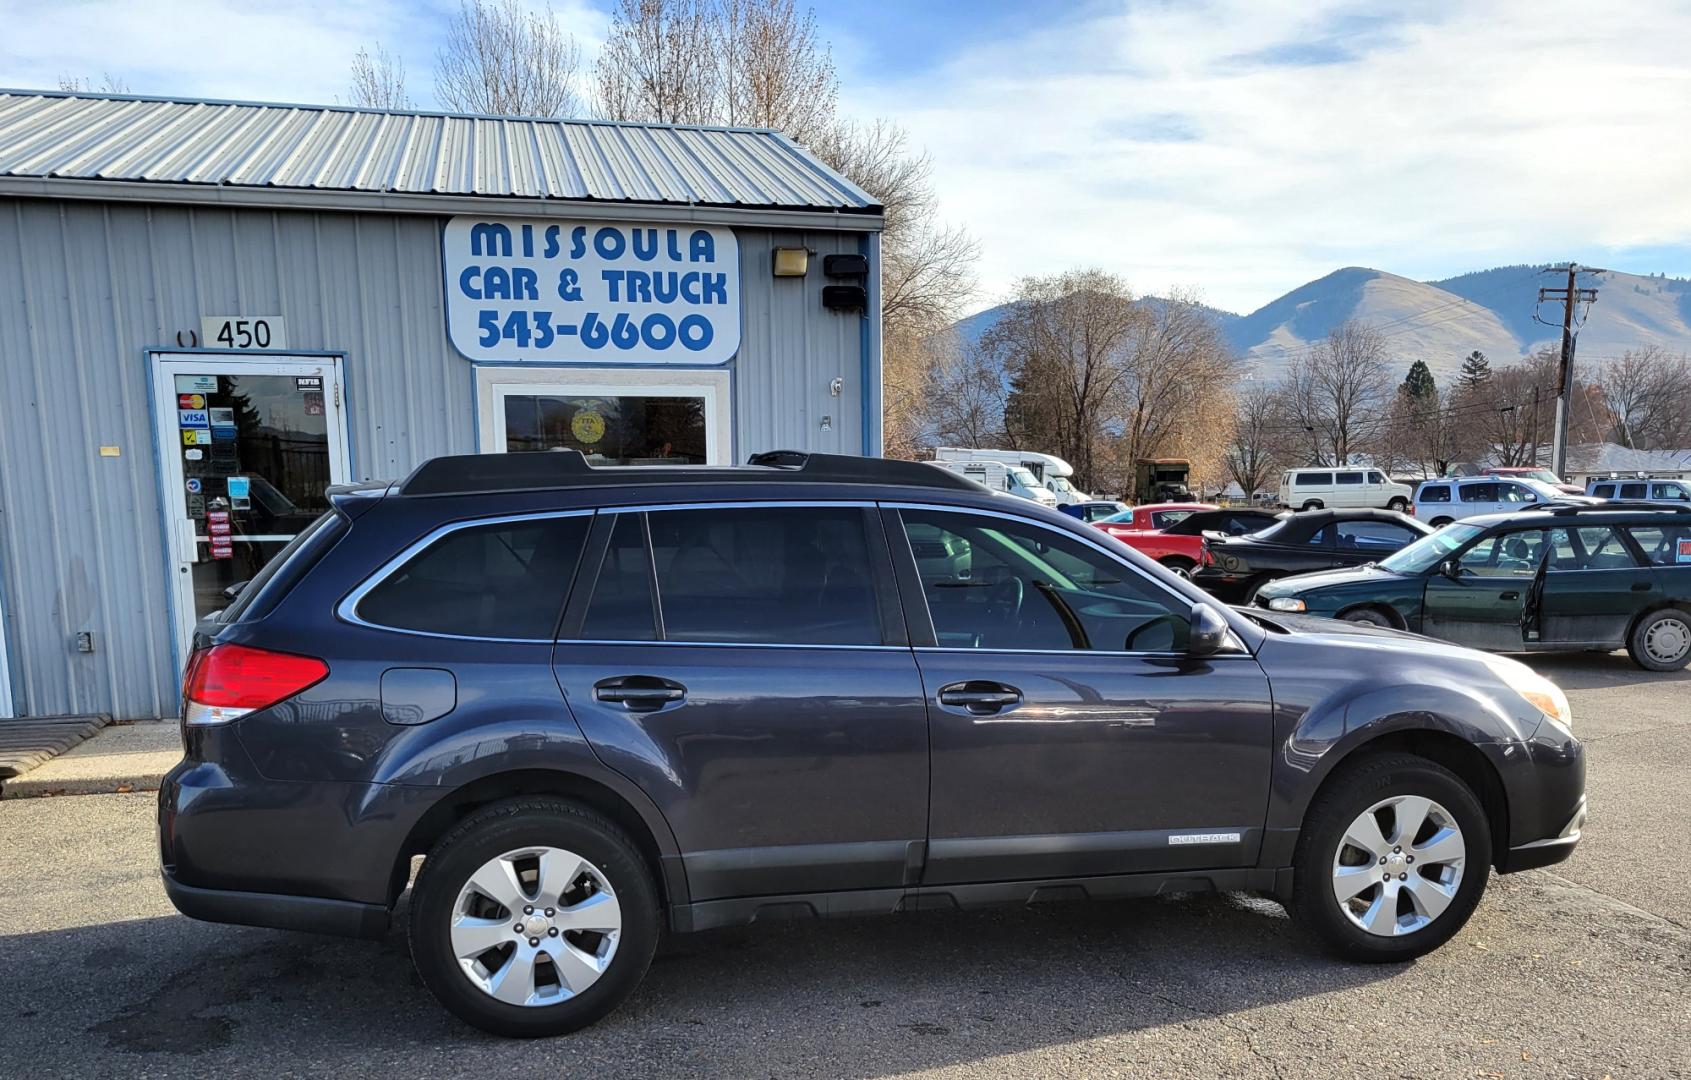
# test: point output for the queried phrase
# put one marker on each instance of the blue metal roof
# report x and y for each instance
(317, 148)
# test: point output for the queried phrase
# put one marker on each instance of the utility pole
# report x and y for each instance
(1533, 460)
(1569, 296)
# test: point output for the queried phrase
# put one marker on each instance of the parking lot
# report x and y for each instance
(1577, 971)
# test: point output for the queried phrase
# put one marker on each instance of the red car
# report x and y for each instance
(1173, 533)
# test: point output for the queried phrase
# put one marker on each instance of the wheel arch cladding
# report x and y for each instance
(498, 787)
(1443, 748)
(1683, 607)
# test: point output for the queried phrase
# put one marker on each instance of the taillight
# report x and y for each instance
(225, 682)
(1204, 556)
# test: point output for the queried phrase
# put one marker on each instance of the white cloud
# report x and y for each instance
(1245, 147)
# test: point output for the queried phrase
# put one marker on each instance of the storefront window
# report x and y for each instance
(609, 430)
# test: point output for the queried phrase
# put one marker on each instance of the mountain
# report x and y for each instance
(1443, 321)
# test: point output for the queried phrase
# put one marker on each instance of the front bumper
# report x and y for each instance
(1549, 851)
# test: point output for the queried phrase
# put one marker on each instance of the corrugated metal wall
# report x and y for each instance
(87, 288)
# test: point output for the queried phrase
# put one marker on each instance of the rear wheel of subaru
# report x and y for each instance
(1661, 641)
(533, 917)
(1392, 860)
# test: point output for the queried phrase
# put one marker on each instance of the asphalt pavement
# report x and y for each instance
(1581, 970)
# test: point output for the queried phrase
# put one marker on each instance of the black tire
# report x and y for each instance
(1313, 504)
(508, 826)
(1252, 589)
(1667, 621)
(1369, 617)
(1179, 566)
(1398, 505)
(1341, 802)
(1439, 522)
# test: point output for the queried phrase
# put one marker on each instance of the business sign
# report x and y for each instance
(591, 293)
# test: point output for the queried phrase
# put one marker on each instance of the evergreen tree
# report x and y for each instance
(1419, 386)
(1476, 371)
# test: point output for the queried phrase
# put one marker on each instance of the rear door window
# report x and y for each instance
(1664, 545)
(1594, 547)
(1634, 491)
(505, 580)
(1603, 491)
(777, 575)
(1478, 493)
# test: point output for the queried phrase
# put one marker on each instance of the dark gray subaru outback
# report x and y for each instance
(605, 702)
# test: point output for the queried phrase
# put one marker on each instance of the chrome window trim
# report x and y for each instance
(347, 609)
(731, 644)
(1235, 644)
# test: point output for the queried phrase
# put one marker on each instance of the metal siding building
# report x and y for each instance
(124, 222)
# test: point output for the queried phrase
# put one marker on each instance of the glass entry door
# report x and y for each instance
(247, 447)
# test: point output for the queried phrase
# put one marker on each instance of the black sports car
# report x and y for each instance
(1300, 544)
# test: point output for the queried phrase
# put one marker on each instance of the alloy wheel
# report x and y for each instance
(535, 926)
(1667, 641)
(1399, 865)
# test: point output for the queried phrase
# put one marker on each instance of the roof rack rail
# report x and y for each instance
(846, 469)
(465, 474)
(1565, 508)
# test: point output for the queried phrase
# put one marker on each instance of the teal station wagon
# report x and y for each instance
(1561, 577)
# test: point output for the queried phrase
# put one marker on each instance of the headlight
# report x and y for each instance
(1539, 692)
(1286, 603)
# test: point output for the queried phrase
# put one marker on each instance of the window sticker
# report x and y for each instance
(1682, 553)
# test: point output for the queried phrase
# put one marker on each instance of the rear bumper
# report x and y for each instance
(317, 915)
(1226, 587)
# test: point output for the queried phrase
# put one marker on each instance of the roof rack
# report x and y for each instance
(1564, 508)
(464, 474)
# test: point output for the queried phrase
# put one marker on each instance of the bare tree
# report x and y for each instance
(1174, 360)
(774, 74)
(1649, 393)
(109, 84)
(660, 64)
(502, 60)
(1337, 392)
(1249, 455)
(965, 390)
(378, 81)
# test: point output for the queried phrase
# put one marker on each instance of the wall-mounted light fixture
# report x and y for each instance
(791, 262)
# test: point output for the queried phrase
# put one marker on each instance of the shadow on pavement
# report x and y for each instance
(863, 997)
(1597, 671)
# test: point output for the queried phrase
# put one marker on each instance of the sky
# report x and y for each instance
(1232, 148)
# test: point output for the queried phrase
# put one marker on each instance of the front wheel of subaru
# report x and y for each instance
(1392, 860)
(533, 917)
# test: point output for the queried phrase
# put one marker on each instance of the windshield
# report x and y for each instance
(1057, 483)
(1024, 477)
(1429, 551)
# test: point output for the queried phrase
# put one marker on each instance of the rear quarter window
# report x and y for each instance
(1433, 493)
(504, 580)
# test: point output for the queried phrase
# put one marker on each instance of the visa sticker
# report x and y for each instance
(192, 418)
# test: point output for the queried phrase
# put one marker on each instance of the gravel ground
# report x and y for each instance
(1582, 970)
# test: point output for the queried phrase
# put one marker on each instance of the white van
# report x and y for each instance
(1051, 471)
(1440, 502)
(1001, 477)
(1343, 489)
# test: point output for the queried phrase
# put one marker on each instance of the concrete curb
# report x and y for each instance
(123, 758)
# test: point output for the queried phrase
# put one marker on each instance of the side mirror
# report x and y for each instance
(1449, 569)
(1209, 632)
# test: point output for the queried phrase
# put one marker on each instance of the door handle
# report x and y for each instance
(1641, 586)
(980, 698)
(1510, 595)
(641, 693)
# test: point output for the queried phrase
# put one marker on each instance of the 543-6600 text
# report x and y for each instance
(538, 330)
